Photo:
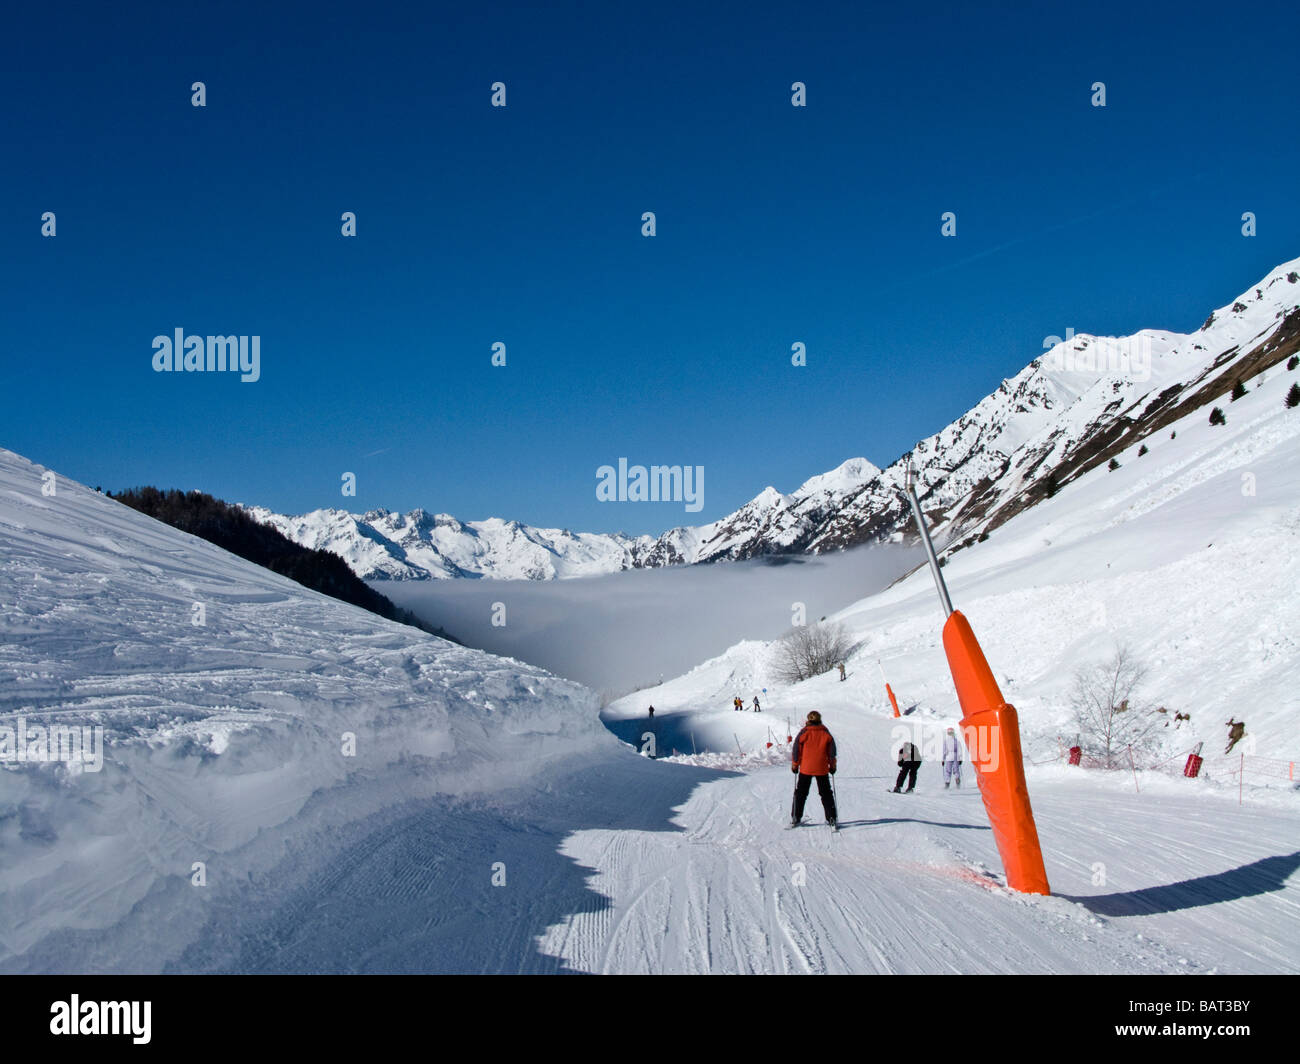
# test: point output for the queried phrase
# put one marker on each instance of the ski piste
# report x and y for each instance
(660, 834)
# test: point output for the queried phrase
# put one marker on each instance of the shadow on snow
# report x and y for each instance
(1260, 877)
(411, 891)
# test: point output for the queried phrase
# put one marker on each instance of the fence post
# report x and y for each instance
(1241, 775)
(1134, 768)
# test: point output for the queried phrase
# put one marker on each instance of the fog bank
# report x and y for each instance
(627, 630)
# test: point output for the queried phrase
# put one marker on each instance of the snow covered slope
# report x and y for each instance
(1072, 409)
(228, 743)
(296, 785)
(1085, 401)
(381, 545)
(1188, 554)
(487, 823)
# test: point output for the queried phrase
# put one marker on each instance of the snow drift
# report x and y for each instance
(246, 722)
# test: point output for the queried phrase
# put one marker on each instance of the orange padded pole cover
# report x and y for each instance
(991, 729)
(892, 700)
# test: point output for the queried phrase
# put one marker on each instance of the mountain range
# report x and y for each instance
(1077, 405)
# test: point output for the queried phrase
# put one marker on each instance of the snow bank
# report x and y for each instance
(245, 722)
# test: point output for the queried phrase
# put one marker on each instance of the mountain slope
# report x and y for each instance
(382, 545)
(1189, 555)
(488, 824)
(1074, 408)
(252, 737)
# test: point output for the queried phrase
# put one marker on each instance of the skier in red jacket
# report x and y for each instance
(813, 756)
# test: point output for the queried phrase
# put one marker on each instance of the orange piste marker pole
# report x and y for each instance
(991, 730)
(888, 690)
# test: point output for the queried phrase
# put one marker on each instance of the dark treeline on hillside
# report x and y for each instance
(232, 529)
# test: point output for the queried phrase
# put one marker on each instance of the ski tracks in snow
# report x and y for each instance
(732, 891)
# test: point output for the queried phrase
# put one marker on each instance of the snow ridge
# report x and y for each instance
(1065, 412)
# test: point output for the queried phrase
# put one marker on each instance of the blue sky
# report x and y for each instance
(477, 224)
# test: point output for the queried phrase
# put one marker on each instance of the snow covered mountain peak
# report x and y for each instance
(1079, 403)
(847, 476)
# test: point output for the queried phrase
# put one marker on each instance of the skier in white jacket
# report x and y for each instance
(952, 755)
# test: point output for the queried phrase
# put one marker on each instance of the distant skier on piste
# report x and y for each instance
(909, 760)
(756, 707)
(951, 759)
(813, 757)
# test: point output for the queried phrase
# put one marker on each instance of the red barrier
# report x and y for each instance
(992, 732)
(892, 700)
(1193, 767)
(1076, 754)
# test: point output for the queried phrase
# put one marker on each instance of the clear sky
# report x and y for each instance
(522, 224)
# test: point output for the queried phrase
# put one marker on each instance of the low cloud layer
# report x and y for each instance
(626, 630)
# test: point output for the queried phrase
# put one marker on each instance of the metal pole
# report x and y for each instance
(925, 540)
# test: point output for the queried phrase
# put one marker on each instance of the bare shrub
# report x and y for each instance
(810, 650)
(1109, 711)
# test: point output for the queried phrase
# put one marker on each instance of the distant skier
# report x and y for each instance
(909, 760)
(756, 708)
(1236, 730)
(652, 711)
(951, 759)
(735, 704)
(813, 756)
(841, 672)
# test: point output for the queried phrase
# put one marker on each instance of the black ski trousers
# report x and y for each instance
(801, 795)
(907, 772)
